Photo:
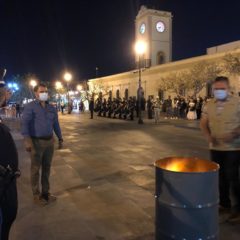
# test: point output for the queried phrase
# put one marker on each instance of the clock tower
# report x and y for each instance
(155, 29)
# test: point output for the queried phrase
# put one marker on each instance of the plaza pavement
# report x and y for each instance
(104, 179)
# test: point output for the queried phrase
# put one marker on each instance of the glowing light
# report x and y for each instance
(140, 47)
(33, 83)
(58, 85)
(79, 87)
(67, 76)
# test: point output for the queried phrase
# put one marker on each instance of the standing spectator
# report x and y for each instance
(168, 104)
(220, 123)
(175, 108)
(18, 110)
(157, 110)
(182, 108)
(62, 107)
(91, 107)
(81, 106)
(191, 115)
(149, 107)
(8, 187)
(199, 103)
(39, 121)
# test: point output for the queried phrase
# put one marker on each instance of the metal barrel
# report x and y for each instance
(186, 199)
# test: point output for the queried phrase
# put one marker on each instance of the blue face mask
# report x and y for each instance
(220, 94)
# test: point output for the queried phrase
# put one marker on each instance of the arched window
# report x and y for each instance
(209, 89)
(118, 94)
(160, 57)
(161, 94)
(126, 94)
(182, 90)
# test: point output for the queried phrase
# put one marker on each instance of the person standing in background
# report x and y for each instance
(91, 107)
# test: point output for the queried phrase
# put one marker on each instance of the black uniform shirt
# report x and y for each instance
(8, 150)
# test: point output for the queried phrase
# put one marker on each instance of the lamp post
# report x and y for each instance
(33, 84)
(58, 86)
(68, 77)
(140, 48)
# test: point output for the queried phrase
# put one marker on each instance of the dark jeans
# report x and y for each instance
(91, 113)
(9, 207)
(229, 162)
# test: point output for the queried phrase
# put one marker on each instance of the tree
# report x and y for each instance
(23, 92)
(94, 88)
(201, 73)
(231, 65)
(177, 82)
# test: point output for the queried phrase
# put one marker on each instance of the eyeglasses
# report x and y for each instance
(43, 91)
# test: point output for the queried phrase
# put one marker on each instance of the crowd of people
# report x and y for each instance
(12, 110)
(171, 108)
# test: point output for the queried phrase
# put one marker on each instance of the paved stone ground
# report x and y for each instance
(105, 179)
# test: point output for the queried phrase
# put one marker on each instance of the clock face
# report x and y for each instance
(142, 28)
(160, 26)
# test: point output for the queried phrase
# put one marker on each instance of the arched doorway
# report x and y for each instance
(118, 94)
(126, 94)
(110, 94)
(160, 57)
(209, 89)
(161, 94)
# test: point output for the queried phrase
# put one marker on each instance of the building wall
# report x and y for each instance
(151, 77)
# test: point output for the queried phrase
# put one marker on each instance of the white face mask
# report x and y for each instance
(43, 97)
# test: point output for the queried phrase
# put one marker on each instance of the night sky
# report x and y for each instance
(45, 37)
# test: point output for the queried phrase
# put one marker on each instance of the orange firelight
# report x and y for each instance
(181, 164)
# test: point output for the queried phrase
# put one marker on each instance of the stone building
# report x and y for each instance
(155, 28)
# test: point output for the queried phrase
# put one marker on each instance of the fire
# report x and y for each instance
(175, 164)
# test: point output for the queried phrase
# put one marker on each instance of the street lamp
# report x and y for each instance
(79, 87)
(140, 49)
(33, 83)
(68, 77)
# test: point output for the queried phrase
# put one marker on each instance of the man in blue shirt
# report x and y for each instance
(39, 121)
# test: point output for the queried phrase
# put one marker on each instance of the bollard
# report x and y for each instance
(186, 199)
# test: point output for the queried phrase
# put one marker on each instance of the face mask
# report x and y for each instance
(43, 97)
(220, 94)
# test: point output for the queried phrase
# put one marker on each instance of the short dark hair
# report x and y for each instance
(39, 85)
(221, 79)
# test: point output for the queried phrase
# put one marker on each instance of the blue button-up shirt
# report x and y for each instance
(38, 121)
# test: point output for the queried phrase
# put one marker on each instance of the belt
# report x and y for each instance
(43, 137)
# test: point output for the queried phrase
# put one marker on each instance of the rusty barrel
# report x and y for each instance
(186, 199)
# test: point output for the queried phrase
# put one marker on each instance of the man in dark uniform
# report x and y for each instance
(91, 107)
(9, 166)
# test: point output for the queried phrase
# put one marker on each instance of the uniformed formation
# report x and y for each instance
(117, 108)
